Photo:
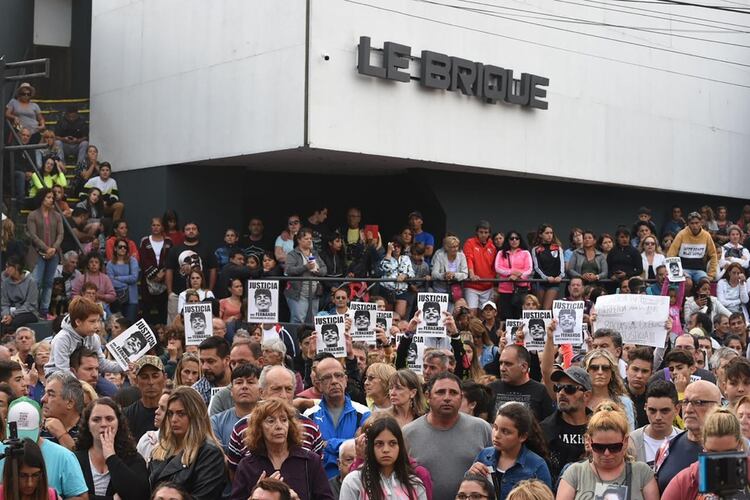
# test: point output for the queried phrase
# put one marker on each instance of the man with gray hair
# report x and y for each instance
(274, 352)
(62, 407)
(719, 360)
(275, 382)
(347, 455)
(67, 270)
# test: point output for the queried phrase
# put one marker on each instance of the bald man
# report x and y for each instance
(700, 398)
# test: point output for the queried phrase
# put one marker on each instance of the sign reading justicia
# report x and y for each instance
(490, 83)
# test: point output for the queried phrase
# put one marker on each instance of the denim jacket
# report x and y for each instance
(528, 465)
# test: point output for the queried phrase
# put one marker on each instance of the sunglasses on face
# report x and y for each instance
(599, 368)
(511, 238)
(122, 247)
(602, 447)
(569, 389)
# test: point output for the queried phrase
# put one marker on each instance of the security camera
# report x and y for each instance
(326, 57)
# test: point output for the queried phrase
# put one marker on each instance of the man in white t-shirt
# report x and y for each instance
(110, 194)
(661, 409)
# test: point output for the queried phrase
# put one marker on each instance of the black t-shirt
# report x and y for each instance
(73, 433)
(250, 247)
(639, 402)
(320, 234)
(140, 419)
(183, 258)
(565, 442)
(532, 394)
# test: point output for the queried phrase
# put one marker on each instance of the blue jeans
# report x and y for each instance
(302, 310)
(44, 275)
(695, 274)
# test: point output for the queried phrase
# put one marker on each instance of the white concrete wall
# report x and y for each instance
(608, 121)
(53, 22)
(176, 81)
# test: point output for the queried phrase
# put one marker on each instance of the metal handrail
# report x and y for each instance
(353, 279)
(30, 161)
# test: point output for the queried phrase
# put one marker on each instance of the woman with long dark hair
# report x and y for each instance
(518, 450)
(386, 472)
(106, 451)
(123, 271)
(32, 475)
(549, 264)
(93, 266)
(703, 302)
(44, 227)
(513, 261)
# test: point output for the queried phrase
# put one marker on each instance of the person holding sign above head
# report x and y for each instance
(79, 327)
(514, 262)
(695, 247)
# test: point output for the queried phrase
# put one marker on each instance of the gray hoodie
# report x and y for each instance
(68, 340)
(23, 296)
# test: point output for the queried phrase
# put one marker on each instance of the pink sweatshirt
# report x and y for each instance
(675, 310)
(517, 260)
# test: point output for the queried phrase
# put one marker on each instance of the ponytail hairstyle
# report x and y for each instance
(527, 426)
(608, 416)
(402, 469)
(722, 422)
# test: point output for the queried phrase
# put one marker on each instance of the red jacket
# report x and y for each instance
(684, 486)
(480, 259)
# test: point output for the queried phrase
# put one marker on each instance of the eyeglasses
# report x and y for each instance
(599, 368)
(649, 243)
(327, 378)
(293, 222)
(470, 496)
(569, 389)
(698, 403)
(25, 477)
(602, 447)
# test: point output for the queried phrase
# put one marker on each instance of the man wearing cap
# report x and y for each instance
(73, 131)
(480, 259)
(565, 429)
(489, 320)
(62, 407)
(150, 380)
(421, 236)
(696, 250)
(63, 471)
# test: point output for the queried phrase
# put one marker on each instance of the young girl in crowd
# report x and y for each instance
(386, 472)
(518, 450)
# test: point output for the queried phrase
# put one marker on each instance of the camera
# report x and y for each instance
(326, 57)
(722, 473)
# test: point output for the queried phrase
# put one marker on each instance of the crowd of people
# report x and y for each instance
(255, 411)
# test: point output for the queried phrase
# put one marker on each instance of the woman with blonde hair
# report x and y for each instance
(273, 438)
(741, 408)
(609, 468)
(530, 489)
(651, 255)
(188, 452)
(377, 378)
(722, 432)
(449, 267)
(188, 370)
(407, 398)
(606, 383)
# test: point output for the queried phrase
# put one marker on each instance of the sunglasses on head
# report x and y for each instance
(569, 389)
(602, 447)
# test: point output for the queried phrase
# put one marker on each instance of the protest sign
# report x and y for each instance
(363, 321)
(415, 354)
(511, 329)
(197, 320)
(674, 269)
(329, 332)
(535, 325)
(132, 344)
(638, 318)
(432, 305)
(569, 316)
(384, 320)
(262, 301)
